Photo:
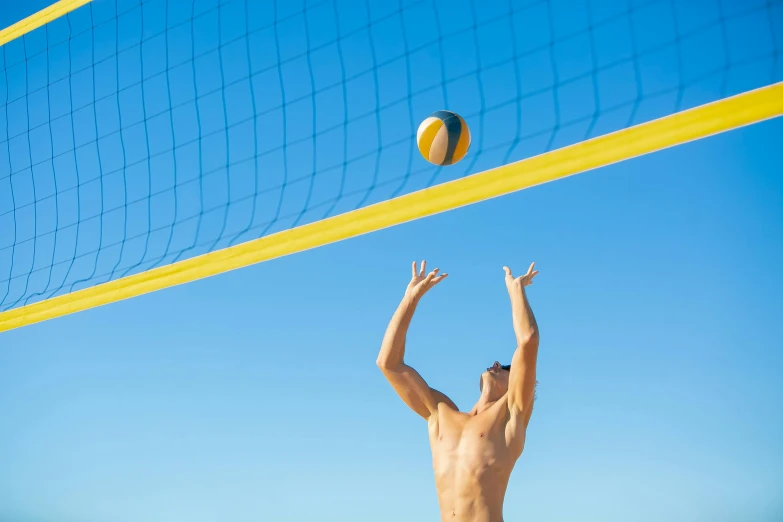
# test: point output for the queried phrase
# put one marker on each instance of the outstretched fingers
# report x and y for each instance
(531, 273)
(438, 279)
(433, 278)
(526, 279)
(428, 281)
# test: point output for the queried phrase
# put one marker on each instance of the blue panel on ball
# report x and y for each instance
(453, 130)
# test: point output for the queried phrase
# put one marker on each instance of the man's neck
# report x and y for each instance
(485, 402)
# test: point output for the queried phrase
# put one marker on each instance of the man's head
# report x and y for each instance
(494, 381)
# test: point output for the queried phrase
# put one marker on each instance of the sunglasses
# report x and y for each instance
(506, 367)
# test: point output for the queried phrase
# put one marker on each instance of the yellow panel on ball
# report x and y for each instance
(443, 138)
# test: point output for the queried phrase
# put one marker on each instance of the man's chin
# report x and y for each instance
(488, 377)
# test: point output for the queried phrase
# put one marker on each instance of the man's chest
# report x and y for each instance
(472, 446)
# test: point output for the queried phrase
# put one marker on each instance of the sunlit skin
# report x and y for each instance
(473, 452)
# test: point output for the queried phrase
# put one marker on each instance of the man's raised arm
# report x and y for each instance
(406, 381)
(522, 381)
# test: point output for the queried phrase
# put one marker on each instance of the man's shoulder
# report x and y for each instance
(442, 399)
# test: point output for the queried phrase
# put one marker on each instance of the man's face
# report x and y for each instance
(496, 376)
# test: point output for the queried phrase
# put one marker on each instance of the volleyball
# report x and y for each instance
(443, 138)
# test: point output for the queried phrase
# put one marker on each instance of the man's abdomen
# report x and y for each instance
(471, 495)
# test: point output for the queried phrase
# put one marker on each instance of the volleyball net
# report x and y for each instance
(150, 143)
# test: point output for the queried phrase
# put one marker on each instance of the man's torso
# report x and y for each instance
(472, 461)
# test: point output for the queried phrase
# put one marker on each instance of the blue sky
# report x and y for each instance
(254, 395)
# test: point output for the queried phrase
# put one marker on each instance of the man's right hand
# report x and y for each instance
(420, 284)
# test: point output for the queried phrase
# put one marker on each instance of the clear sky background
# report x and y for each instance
(254, 395)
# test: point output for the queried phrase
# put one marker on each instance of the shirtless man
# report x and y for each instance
(474, 452)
